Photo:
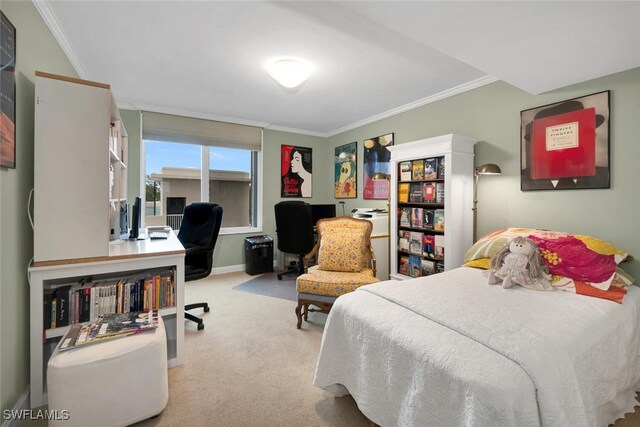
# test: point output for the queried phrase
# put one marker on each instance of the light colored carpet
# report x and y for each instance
(250, 366)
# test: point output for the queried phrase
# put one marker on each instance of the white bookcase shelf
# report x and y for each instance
(457, 153)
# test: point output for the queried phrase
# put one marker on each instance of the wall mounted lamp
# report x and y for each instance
(486, 169)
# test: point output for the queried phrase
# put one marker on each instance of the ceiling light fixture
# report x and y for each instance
(290, 73)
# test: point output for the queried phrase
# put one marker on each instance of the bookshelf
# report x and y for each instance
(431, 198)
(80, 182)
(126, 259)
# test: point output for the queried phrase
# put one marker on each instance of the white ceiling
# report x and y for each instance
(372, 58)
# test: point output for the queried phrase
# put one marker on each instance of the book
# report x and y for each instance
(428, 245)
(416, 217)
(429, 192)
(417, 170)
(431, 168)
(403, 265)
(440, 167)
(438, 220)
(427, 219)
(439, 247)
(62, 306)
(109, 326)
(428, 267)
(415, 244)
(415, 192)
(564, 145)
(403, 240)
(48, 295)
(403, 192)
(405, 171)
(439, 192)
(405, 217)
(414, 266)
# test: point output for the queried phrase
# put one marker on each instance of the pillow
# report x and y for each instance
(488, 246)
(578, 263)
(344, 251)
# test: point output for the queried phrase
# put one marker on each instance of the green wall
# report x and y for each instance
(36, 49)
(491, 114)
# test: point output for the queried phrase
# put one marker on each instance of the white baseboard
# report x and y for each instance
(227, 269)
(233, 268)
(21, 404)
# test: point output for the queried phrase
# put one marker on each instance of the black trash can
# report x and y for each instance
(258, 254)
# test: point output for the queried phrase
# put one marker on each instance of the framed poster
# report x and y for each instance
(346, 176)
(566, 145)
(296, 173)
(376, 167)
(7, 93)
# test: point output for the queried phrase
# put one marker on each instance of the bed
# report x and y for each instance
(451, 350)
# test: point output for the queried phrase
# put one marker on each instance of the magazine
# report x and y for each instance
(109, 326)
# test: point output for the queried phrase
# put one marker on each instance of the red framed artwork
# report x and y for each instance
(566, 145)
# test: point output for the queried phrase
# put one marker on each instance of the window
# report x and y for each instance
(190, 160)
(174, 179)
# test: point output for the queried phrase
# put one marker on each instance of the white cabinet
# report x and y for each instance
(80, 184)
(80, 172)
(454, 184)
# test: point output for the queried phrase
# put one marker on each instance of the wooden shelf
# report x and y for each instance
(421, 230)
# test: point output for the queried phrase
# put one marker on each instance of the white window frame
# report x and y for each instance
(204, 187)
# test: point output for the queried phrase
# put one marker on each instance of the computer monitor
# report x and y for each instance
(322, 211)
(135, 219)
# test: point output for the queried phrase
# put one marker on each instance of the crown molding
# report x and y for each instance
(298, 131)
(482, 81)
(188, 113)
(42, 6)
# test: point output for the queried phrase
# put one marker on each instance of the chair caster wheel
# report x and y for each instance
(207, 309)
(200, 326)
(279, 278)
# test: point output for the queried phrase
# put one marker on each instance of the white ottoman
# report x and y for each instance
(113, 383)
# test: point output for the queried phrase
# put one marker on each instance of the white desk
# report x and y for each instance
(124, 256)
(379, 239)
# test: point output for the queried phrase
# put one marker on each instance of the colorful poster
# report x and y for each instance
(376, 167)
(296, 172)
(7, 93)
(345, 171)
(565, 145)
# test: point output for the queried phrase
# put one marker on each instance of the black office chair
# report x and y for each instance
(294, 227)
(198, 234)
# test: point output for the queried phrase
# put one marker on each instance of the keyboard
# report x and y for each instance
(155, 235)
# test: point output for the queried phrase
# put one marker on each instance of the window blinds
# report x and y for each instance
(173, 128)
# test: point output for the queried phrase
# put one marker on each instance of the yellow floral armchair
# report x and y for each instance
(345, 261)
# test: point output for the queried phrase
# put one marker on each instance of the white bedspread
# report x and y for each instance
(449, 350)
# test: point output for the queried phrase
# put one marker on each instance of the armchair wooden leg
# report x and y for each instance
(306, 312)
(299, 315)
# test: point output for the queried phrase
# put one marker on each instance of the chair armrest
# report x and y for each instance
(197, 250)
(373, 260)
(310, 255)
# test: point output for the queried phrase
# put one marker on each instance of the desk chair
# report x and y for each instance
(198, 234)
(294, 227)
(345, 262)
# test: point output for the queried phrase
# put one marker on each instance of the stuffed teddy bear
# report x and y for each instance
(520, 262)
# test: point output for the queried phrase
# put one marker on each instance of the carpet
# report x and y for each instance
(267, 284)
